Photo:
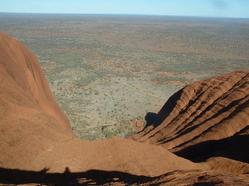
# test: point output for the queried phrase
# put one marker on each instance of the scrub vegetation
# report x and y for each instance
(107, 72)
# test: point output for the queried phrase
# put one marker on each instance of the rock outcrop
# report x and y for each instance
(209, 110)
(207, 121)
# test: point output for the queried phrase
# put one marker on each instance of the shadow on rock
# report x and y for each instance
(235, 147)
(91, 177)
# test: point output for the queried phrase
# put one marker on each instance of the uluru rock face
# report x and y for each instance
(37, 145)
(30, 119)
(21, 67)
(209, 110)
(207, 121)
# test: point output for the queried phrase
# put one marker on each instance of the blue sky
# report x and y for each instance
(206, 8)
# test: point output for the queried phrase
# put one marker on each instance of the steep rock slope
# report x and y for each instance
(30, 119)
(21, 67)
(212, 109)
(207, 121)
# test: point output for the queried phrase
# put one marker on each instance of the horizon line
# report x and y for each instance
(126, 14)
